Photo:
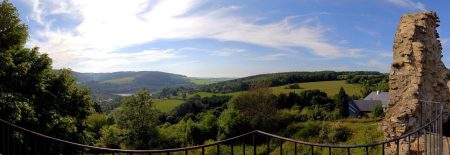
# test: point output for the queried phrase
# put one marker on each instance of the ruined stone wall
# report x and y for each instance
(417, 74)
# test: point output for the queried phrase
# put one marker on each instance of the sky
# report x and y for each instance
(222, 38)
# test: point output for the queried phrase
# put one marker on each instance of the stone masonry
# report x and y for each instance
(417, 75)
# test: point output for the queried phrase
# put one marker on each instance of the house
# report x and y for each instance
(381, 96)
(365, 106)
(361, 107)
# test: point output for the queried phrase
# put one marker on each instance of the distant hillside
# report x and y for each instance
(206, 81)
(278, 79)
(130, 82)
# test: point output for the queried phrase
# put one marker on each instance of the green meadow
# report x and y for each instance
(331, 88)
(166, 105)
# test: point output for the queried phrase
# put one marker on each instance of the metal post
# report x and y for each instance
(409, 144)
(268, 145)
(218, 149)
(295, 148)
(203, 150)
(243, 145)
(281, 147)
(254, 145)
(418, 141)
(232, 149)
(425, 140)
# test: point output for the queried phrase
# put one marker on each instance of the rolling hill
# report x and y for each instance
(279, 79)
(130, 82)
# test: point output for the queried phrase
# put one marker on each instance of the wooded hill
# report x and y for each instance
(277, 79)
(130, 82)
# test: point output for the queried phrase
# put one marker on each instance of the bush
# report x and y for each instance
(378, 111)
(111, 137)
(231, 123)
(294, 86)
(308, 130)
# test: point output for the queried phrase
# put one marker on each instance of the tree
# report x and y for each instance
(341, 102)
(378, 111)
(12, 31)
(258, 107)
(32, 95)
(231, 123)
(366, 89)
(111, 136)
(139, 119)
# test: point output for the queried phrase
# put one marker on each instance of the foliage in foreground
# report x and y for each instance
(32, 95)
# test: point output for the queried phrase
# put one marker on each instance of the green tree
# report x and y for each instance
(140, 119)
(378, 111)
(12, 31)
(111, 136)
(383, 85)
(31, 93)
(341, 102)
(231, 123)
(258, 107)
(366, 89)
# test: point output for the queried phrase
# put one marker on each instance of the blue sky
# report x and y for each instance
(221, 38)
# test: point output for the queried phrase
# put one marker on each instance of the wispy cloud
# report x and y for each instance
(367, 31)
(445, 42)
(408, 4)
(227, 52)
(385, 54)
(122, 24)
(95, 62)
(269, 57)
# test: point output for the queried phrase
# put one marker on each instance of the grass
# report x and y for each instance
(198, 81)
(119, 80)
(362, 133)
(329, 87)
(208, 94)
(166, 105)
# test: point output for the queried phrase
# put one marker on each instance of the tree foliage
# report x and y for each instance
(13, 33)
(31, 93)
(258, 107)
(341, 102)
(139, 119)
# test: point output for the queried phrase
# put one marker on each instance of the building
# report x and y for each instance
(361, 107)
(381, 96)
(365, 106)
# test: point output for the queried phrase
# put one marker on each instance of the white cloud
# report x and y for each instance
(270, 57)
(408, 4)
(445, 42)
(94, 62)
(369, 32)
(106, 29)
(385, 54)
(227, 52)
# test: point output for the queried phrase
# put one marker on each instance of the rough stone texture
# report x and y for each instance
(417, 75)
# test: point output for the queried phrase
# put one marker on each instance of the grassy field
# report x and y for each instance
(166, 105)
(198, 81)
(329, 87)
(119, 80)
